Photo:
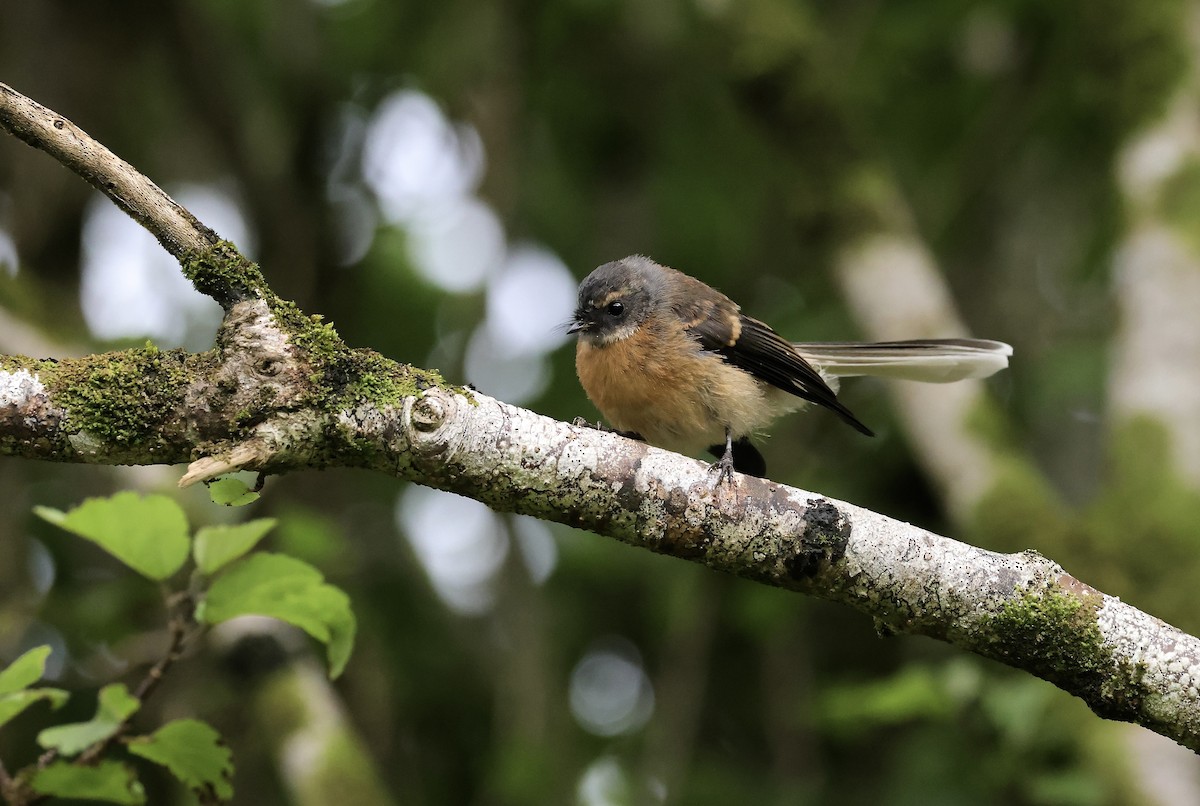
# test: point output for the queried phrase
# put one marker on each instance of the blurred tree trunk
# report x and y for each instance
(1155, 375)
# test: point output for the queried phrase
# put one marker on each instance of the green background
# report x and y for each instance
(727, 139)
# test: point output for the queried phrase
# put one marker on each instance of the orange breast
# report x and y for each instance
(660, 384)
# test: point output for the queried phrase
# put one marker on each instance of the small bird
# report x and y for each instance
(671, 360)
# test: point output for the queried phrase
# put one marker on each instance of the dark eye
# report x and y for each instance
(616, 309)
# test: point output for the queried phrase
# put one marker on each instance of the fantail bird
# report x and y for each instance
(667, 358)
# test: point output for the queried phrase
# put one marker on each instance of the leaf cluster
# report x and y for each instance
(224, 580)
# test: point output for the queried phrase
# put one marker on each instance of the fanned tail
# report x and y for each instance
(929, 360)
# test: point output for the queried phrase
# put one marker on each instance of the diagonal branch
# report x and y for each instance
(280, 391)
(179, 232)
(1020, 609)
(175, 228)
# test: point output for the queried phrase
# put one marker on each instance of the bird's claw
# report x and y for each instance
(724, 468)
(725, 465)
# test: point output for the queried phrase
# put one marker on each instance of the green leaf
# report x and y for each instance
(13, 704)
(109, 781)
(288, 589)
(15, 694)
(149, 534)
(339, 618)
(217, 546)
(115, 705)
(194, 754)
(231, 492)
(25, 670)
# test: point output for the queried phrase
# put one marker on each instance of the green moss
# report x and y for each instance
(12, 363)
(121, 398)
(340, 377)
(1053, 633)
(223, 274)
(312, 333)
(351, 377)
(346, 376)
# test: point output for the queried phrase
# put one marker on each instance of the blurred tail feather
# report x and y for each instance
(930, 360)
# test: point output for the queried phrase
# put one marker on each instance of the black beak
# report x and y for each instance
(579, 324)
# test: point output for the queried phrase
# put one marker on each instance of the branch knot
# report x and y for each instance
(428, 414)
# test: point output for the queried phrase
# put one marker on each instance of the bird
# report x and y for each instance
(668, 359)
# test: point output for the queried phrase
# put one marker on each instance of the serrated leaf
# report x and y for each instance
(109, 781)
(25, 670)
(194, 754)
(217, 546)
(231, 492)
(115, 705)
(147, 533)
(13, 704)
(290, 590)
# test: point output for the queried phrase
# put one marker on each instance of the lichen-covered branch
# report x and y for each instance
(266, 398)
(280, 391)
(1021, 609)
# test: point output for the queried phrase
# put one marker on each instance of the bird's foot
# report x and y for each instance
(724, 467)
(740, 455)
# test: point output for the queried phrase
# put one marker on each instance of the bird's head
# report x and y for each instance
(616, 299)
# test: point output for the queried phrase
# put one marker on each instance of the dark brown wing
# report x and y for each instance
(753, 346)
(705, 312)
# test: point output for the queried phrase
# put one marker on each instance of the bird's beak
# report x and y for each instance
(579, 324)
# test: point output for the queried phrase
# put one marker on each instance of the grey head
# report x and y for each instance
(616, 298)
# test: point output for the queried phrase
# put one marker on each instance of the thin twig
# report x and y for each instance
(181, 624)
(175, 228)
(9, 789)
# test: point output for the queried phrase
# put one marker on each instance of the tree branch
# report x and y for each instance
(175, 228)
(282, 392)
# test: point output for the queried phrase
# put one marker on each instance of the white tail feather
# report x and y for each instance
(930, 360)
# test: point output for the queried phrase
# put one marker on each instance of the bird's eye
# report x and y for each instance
(615, 309)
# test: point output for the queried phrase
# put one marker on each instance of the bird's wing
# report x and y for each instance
(715, 321)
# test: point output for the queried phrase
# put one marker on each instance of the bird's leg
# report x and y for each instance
(724, 465)
(580, 422)
(746, 458)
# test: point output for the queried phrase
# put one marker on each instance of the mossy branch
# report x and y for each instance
(280, 391)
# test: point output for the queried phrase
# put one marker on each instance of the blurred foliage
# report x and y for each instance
(742, 142)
